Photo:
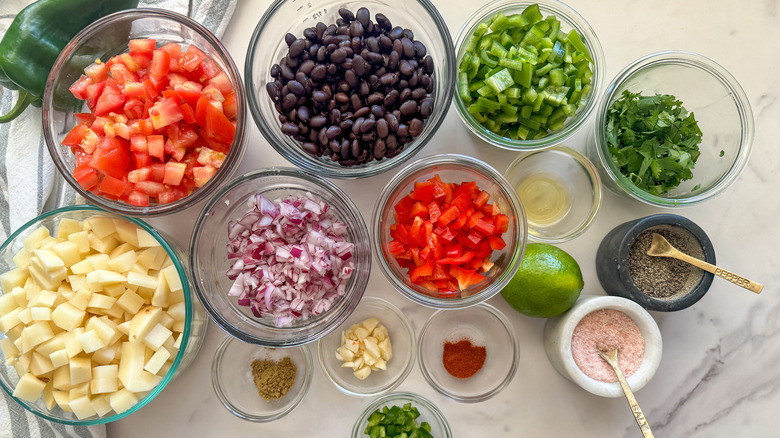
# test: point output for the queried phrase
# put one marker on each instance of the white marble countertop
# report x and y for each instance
(719, 375)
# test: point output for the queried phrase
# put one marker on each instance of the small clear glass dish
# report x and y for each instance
(399, 366)
(560, 190)
(231, 377)
(483, 325)
(429, 413)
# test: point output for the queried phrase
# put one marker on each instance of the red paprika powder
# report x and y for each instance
(462, 359)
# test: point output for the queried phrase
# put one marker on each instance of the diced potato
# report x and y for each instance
(152, 258)
(22, 258)
(71, 342)
(122, 400)
(105, 277)
(48, 397)
(167, 321)
(173, 279)
(114, 290)
(157, 360)
(105, 245)
(161, 292)
(126, 231)
(157, 337)
(143, 322)
(142, 281)
(121, 249)
(66, 227)
(13, 278)
(67, 316)
(124, 262)
(100, 405)
(40, 313)
(105, 372)
(34, 334)
(131, 364)
(44, 298)
(61, 378)
(80, 299)
(106, 355)
(68, 251)
(100, 301)
(49, 260)
(59, 358)
(46, 280)
(10, 319)
(29, 388)
(103, 386)
(52, 345)
(8, 348)
(40, 364)
(81, 239)
(90, 341)
(178, 311)
(102, 226)
(130, 302)
(83, 267)
(47, 242)
(7, 303)
(33, 240)
(80, 370)
(146, 240)
(124, 327)
(63, 399)
(25, 316)
(82, 407)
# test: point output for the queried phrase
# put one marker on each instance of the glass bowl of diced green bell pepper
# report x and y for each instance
(529, 73)
(397, 413)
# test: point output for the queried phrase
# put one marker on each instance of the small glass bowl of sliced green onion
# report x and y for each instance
(529, 73)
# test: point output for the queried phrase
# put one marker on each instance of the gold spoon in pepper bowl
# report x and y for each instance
(660, 247)
(611, 357)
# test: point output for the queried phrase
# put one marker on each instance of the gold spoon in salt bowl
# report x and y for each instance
(611, 358)
(660, 247)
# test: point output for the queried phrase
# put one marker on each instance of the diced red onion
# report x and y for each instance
(291, 258)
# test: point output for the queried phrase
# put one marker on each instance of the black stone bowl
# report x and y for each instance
(612, 263)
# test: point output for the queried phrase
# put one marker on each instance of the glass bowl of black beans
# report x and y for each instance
(350, 89)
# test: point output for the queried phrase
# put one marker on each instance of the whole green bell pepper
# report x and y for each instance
(35, 39)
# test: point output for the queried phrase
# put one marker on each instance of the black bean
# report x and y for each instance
(398, 46)
(406, 94)
(378, 111)
(355, 148)
(362, 112)
(426, 107)
(310, 148)
(325, 29)
(356, 29)
(275, 70)
(360, 65)
(296, 88)
(343, 29)
(346, 14)
(374, 98)
(418, 93)
(341, 97)
(363, 16)
(333, 132)
(318, 121)
(344, 151)
(391, 142)
(379, 149)
(385, 43)
(391, 98)
(334, 145)
(338, 56)
(289, 102)
(310, 34)
(408, 47)
(322, 54)
(376, 58)
(346, 125)
(303, 114)
(292, 62)
(287, 73)
(356, 126)
(296, 48)
(392, 60)
(318, 73)
(319, 96)
(419, 49)
(335, 116)
(372, 44)
(364, 89)
(381, 128)
(388, 78)
(392, 121)
(356, 102)
(405, 67)
(415, 127)
(409, 107)
(414, 80)
(403, 130)
(367, 125)
(289, 128)
(428, 63)
(395, 33)
(272, 91)
(383, 22)
(306, 67)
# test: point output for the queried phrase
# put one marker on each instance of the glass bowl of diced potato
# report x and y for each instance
(96, 315)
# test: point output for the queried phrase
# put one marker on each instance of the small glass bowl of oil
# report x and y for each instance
(560, 191)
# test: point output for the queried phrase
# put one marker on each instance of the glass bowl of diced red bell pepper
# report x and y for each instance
(449, 231)
(143, 113)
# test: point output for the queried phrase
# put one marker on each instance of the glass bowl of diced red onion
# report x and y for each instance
(280, 257)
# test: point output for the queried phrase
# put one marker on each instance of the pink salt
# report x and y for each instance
(605, 330)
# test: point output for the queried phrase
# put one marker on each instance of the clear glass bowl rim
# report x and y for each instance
(409, 364)
(562, 11)
(303, 160)
(480, 167)
(360, 284)
(592, 172)
(702, 63)
(215, 383)
(188, 316)
(392, 397)
(233, 158)
(479, 397)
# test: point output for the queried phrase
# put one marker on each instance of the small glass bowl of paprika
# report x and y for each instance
(151, 138)
(449, 231)
(468, 355)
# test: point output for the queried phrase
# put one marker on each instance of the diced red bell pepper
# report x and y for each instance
(423, 191)
(501, 222)
(395, 247)
(496, 242)
(485, 227)
(448, 215)
(481, 199)
(419, 209)
(416, 275)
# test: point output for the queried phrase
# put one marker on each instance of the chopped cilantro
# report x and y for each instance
(653, 140)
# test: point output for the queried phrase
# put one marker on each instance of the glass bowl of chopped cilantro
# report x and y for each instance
(529, 73)
(401, 414)
(674, 129)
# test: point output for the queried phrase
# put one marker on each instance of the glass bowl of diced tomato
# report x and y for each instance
(449, 231)
(143, 112)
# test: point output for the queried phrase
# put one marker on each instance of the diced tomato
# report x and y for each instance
(210, 157)
(206, 70)
(112, 157)
(79, 88)
(174, 172)
(218, 126)
(75, 135)
(202, 175)
(86, 176)
(164, 113)
(97, 71)
(112, 186)
(128, 62)
(192, 58)
(111, 99)
(142, 45)
(229, 105)
(222, 82)
(161, 61)
(137, 198)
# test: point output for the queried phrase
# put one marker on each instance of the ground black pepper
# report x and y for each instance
(663, 277)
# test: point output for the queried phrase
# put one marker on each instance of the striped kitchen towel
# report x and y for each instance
(30, 184)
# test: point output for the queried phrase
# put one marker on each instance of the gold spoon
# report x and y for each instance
(611, 358)
(660, 247)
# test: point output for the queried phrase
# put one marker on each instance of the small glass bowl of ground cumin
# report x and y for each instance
(260, 384)
(468, 355)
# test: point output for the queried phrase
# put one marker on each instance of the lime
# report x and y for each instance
(547, 283)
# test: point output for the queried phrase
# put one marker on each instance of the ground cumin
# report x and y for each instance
(273, 379)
